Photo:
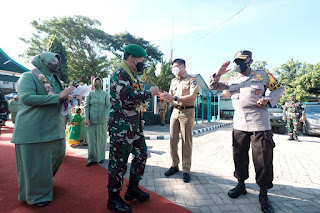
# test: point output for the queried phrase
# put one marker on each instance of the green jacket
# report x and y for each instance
(39, 119)
(97, 107)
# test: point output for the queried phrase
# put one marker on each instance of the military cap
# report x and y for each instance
(243, 54)
(292, 94)
(135, 50)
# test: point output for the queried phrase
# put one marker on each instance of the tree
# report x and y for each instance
(55, 46)
(82, 40)
(259, 65)
(165, 76)
(302, 79)
(288, 71)
(116, 43)
(149, 76)
(85, 44)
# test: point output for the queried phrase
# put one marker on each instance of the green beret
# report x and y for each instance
(292, 94)
(135, 50)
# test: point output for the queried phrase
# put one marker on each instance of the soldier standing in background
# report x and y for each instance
(163, 106)
(251, 123)
(125, 129)
(14, 107)
(292, 114)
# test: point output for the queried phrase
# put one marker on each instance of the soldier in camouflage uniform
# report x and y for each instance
(125, 129)
(293, 113)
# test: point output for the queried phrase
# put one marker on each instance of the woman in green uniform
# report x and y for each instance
(39, 133)
(97, 109)
(14, 107)
(74, 130)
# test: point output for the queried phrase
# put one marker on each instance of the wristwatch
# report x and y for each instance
(175, 98)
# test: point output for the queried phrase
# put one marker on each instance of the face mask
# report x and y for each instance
(97, 86)
(53, 67)
(242, 67)
(140, 66)
(175, 70)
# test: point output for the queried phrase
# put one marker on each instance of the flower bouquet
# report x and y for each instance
(73, 99)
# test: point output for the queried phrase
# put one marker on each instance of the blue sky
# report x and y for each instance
(274, 30)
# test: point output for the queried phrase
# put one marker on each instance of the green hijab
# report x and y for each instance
(41, 62)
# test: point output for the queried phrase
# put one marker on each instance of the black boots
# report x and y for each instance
(116, 203)
(290, 137)
(134, 192)
(240, 189)
(266, 206)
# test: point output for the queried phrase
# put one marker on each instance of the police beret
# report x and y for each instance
(243, 54)
(135, 50)
(292, 94)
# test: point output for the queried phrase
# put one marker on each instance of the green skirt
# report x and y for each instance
(36, 164)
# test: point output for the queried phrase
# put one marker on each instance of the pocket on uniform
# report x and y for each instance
(269, 139)
(257, 90)
(185, 86)
(234, 91)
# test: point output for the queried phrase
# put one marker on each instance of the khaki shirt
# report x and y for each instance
(162, 105)
(182, 86)
(245, 91)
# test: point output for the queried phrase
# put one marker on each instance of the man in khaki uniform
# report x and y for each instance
(163, 106)
(183, 92)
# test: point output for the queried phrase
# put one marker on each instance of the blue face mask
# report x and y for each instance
(242, 67)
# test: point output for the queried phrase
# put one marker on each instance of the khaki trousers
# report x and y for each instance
(181, 120)
(163, 116)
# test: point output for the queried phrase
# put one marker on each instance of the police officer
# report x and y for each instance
(251, 122)
(183, 92)
(125, 129)
(162, 111)
(293, 113)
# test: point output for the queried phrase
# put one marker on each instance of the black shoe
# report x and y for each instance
(290, 138)
(118, 205)
(186, 177)
(42, 204)
(240, 189)
(136, 193)
(171, 171)
(91, 163)
(266, 206)
(101, 161)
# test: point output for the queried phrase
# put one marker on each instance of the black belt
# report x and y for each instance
(183, 107)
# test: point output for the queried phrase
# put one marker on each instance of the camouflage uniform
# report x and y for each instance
(125, 130)
(293, 112)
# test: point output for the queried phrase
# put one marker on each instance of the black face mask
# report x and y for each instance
(242, 67)
(140, 66)
(53, 67)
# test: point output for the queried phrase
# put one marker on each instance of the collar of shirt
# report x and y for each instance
(184, 75)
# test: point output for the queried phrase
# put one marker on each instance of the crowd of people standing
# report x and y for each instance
(40, 127)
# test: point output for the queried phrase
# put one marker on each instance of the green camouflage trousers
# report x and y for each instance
(292, 125)
(120, 150)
